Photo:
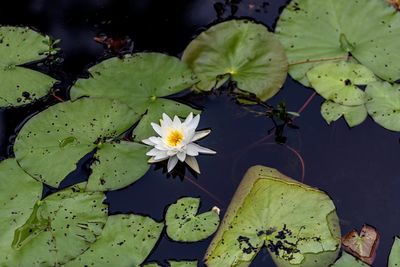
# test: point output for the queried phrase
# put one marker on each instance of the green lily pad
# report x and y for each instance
(346, 260)
(126, 240)
(61, 227)
(151, 264)
(18, 194)
(384, 104)
(354, 115)
(117, 165)
(144, 129)
(241, 50)
(338, 82)
(182, 263)
(297, 223)
(140, 81)
(314, 32)
(183, 223)
(174, 263)
(21, 85)
(51, 143)
(394, 257)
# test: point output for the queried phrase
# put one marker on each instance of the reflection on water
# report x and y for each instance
(359, 168)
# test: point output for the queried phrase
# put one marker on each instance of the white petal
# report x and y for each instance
(155, 140)
(153, 152)
(171, 153)
(203, 150)
(172, 163)
(194, 123)
(200, 134)
(188, 119)
(177, 122)
(153, 160)
(161, 154)
(181, 156)
(157, 128)
(148, 142)
(191, 150)
(167, 122)
(192, 162)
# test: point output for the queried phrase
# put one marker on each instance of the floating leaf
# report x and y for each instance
(354, 115)
(394, 257)
(182, 263)
(241, 50)
(384, 104)
(61, 227)
(338, 82)
(126, 240)
(18, 194)
(20, 85)
(140, 81)
(185, 225)
(51, 143)
(346, 260)
(173, 263)
(152, 264)
(313, 32)
(363, 245)
(297, 223)
(117, 165)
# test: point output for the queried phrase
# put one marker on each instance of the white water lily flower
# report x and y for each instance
(176, 141)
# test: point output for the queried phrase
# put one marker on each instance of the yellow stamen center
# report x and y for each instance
(174, 138)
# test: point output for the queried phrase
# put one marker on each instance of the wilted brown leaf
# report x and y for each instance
(395, 3)
(363, 245)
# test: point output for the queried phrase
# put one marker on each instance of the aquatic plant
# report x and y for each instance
(314, 32)
(19, 84)
(185, 225)
(126, 240)
(239, 50)
(18, 192)
(384, 104)
(60, 227)
(296, 223)
(346, 260)
(66, 132)
(394, 256)
(362, 245)
(176, 141)
(132, 80)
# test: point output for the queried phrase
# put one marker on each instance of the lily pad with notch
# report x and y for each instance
(339, 82)
(141, 81)
(241, 50)
(185, 225)
(21, 85)
(384, 104)
(126, 240)
(61, 227)
(295, 222)
(18, 194)
(354, 115)
(363, 246)
(51, 143)
(314, 32)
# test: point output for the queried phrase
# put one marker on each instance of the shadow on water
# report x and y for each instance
(359, 167)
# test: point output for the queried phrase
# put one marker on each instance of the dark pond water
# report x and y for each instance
(359, 167)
